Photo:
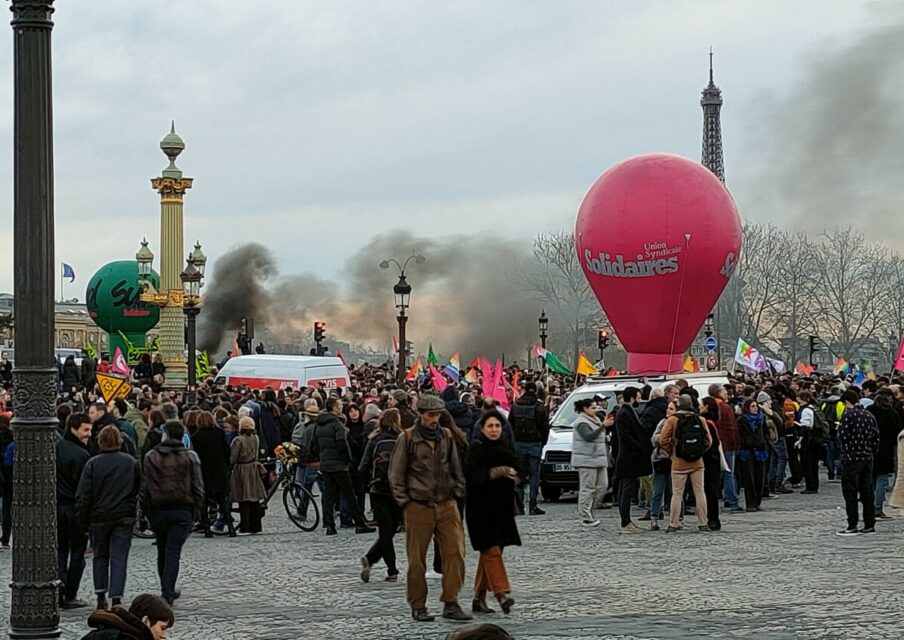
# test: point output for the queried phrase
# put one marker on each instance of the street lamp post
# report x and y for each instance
(544, 325)
(402, 294)
(34, 606)
(191, 307)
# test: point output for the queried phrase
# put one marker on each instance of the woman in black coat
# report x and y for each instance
(210, 444)
(491, 476)
(890, 425)
(752, 453)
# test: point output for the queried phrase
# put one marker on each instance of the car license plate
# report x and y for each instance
(564, 467)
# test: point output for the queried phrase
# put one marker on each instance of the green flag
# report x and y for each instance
(202, 365)
(431, 357)
(92, 352)
(555, 365)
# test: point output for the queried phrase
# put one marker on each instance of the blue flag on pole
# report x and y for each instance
(68, 272)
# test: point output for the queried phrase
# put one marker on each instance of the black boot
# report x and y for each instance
(421, 615)
(102, 602)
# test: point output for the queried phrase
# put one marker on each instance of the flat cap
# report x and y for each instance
(428, 403)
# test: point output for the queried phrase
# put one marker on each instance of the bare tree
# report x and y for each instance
(555, 280)
(798, 287)
(758, 281)
(853, 292)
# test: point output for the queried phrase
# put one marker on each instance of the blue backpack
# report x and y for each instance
(9, 455)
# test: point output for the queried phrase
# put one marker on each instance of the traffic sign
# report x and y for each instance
(711, 362)
(710, 344)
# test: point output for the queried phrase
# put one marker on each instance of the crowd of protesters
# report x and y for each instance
(391, 458)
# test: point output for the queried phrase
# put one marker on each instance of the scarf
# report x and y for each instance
(425, 432)
(755, 420)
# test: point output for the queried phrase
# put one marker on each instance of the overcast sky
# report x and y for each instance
(311, 126)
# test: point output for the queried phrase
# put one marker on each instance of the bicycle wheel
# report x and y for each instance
(301, 507)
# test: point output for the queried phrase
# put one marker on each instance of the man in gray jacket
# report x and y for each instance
(590, 456)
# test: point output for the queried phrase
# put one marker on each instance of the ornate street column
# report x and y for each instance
(34, 609)
(172, 187)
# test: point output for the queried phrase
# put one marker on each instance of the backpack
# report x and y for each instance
(819, 433)
(382, 456)
(524, 422)
(690, 443)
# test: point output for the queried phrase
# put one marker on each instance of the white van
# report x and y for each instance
(556, 472)
(281, 372)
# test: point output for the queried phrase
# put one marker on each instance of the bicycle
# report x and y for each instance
(299, 503)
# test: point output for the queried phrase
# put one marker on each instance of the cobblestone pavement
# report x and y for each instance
(781, 573)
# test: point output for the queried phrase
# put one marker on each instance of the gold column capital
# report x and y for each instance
(171, 190)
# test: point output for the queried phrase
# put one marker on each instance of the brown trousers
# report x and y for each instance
(491, 574)
(422, 523)
(679, 480)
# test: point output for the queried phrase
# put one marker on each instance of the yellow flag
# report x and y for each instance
(584, 367)
(689, 364)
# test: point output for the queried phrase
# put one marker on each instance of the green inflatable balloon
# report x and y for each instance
(113, 303)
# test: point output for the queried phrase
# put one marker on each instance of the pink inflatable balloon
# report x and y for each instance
(658, 237)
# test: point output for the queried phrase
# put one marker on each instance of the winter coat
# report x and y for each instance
(117, 624)
(172, 478)
(71, 374)
(654, 413)
(751, 437)
(140, 425)
(246, 484)
(634, 446)
(108, 488)
(490, 502)
(728, 427)
(213, 452)
(428, 472)
(89, 368)
(667, 443)
(858, 433)
(588, 448)
(365, 468)
(356, 443)
(332, 443)
(890, 425)
(534, 425)
(270, 427)
(462, 415)
(71, 458)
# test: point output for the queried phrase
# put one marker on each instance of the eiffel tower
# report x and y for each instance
(711, 101)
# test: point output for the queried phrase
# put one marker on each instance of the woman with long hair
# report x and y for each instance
(213, 451)
(752, 453)
(491, 475)
(662, 470)
(246, 485)
(374, 468)
(354, 422)
(712, 463)
(590, 456)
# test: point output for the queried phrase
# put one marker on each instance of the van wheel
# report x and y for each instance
(551, 494)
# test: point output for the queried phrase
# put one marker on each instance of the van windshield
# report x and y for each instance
(566, 413)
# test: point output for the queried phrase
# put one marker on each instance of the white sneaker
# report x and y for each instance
(433, 575)
(590, 523)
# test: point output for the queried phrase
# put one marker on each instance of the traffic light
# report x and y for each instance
(319, 330)
(603, 339)
(813, 347)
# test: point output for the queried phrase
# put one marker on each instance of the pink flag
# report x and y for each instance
(120, 365)
(899, 359)
(499, 394)
(486, 369)
(395, 343)
(439, 382)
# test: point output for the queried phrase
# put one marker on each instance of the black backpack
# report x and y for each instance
(690, 442)
(382, 455)
(524, 422)
(819, 434)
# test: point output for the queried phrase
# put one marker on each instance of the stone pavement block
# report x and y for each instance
(781, 573)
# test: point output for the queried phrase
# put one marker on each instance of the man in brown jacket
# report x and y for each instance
(426, 478)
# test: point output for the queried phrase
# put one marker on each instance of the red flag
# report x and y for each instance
(395, 343)
(499, 394)
(516, 389)
(899, 359)
(439, 382)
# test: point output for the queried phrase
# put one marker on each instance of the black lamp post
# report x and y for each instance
(544, 325)
(34, 607)
(402, 293)
(191, 307)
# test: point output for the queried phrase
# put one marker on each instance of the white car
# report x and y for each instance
(556, 473)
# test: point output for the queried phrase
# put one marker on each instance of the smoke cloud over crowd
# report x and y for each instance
(833, 146)
(463, 297)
